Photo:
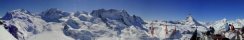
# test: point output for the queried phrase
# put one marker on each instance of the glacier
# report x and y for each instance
(101, 24)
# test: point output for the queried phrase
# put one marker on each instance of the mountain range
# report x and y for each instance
(101, 24)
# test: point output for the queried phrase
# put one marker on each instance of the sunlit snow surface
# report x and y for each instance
(5, 35)
(100, 24)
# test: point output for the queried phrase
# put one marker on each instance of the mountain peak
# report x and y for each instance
(120, 16)
(224, 19)
(53, 15)
(18, 13)
(110, 13)
(191, 21)
(53, 10)
(189, 18)
(19, 10)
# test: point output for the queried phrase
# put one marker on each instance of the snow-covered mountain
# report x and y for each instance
(5, 35)
(118, 19)
(18, 13)
(179, 30)
(22, 24)
(191, 21)
(101, 24)
(53, 15)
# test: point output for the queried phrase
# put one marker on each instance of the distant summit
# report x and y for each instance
(191, 21)
(110, 24)
(96, 24)
(120, 16)
(53, 15)
(18, 13)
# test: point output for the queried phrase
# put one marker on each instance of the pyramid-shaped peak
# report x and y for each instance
(191, 21)
(189, 18)
(224, 19)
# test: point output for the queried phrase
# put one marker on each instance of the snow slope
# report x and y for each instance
(101, 24)
(56, 33)
(5, 35)
(177, 30)
(72, 26)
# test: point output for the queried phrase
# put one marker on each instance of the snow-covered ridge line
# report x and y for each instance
(28, 26)
(102, 24)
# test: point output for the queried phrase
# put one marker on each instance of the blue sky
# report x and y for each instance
(203, 10)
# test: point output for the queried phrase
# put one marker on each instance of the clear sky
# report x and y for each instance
(203, 10)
